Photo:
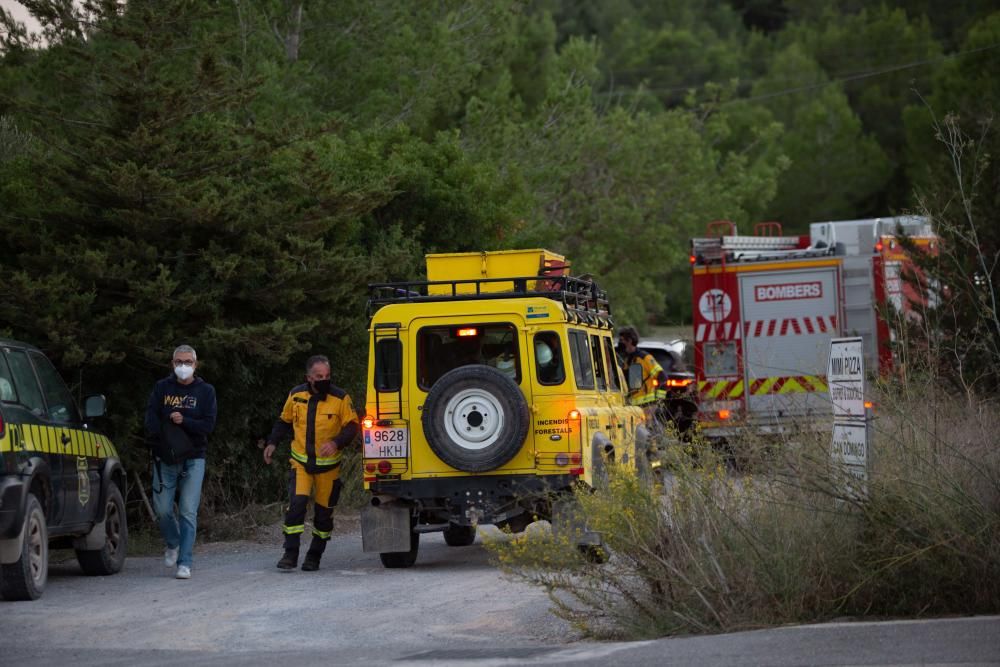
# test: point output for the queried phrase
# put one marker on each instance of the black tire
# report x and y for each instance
(459, 536)
(110, 558)
(475, 418)
(593, 553)
(25, 579)
(399, 559)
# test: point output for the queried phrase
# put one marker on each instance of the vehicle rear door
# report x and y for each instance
(789, 317)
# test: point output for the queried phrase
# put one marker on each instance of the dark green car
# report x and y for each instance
(60, 482)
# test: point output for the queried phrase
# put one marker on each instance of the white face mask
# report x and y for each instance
(183, 372)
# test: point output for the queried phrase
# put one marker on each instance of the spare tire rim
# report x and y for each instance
(473, 419)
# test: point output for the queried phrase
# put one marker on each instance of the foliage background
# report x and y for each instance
(232, 174)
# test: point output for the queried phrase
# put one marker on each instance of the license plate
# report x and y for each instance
(387, 442)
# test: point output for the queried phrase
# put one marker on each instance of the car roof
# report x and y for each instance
(10, 342)
(677, 345)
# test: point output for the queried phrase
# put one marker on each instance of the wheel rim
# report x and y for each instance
(112, 527)
(37, 545)
(474, 419)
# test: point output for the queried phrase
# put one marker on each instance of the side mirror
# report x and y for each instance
(95, 406)
(634, 377)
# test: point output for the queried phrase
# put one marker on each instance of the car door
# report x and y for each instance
(81, 476)
(35, 438)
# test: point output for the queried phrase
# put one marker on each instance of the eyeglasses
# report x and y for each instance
(183, 362)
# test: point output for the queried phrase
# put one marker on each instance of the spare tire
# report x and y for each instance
(475, 418)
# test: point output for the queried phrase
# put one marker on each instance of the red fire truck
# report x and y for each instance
(766, 306)
(882, 287)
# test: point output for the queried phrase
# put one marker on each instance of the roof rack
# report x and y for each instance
(583, 300)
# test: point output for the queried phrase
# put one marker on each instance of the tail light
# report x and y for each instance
(725, 414)
(384, 467)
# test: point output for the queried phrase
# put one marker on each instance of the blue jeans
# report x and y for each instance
(187, 477)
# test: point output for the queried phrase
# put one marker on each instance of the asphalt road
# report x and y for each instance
(451, 608)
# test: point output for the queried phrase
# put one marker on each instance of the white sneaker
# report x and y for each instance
(170, 556)
(183, 572)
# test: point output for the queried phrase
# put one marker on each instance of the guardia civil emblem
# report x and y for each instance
(83, 480)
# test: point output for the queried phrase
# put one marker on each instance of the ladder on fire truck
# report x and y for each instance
(766, 243)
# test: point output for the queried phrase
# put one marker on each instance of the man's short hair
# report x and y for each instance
(185, 348)
(316, 359)
(629, 334)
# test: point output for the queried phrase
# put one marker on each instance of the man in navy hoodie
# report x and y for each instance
(189, 402)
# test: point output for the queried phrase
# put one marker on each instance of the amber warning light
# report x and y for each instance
(367, 422)
(468, 332)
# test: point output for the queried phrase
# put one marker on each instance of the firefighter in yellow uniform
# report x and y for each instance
(322, 422)
(654, 380)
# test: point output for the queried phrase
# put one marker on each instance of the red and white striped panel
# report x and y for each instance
(717, 331)
(791, 326)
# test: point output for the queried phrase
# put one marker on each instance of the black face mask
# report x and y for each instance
(321, 386)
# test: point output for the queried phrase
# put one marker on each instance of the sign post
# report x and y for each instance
(846, 379)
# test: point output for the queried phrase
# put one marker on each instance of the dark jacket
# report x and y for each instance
(195, 401)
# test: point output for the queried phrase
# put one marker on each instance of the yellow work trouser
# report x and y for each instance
(326, 487)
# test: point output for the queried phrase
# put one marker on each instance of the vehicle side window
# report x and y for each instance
(25, 383)
(583, 368)
(62, 408)
(549, 358)
(613, 368)
(388, 364)
(595, 352)
(7, 392)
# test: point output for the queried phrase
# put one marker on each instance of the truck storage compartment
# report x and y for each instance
(458, 266)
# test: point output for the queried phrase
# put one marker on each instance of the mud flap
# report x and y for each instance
(385, 529)
(568, 521)
(10, 550)
(93, 540)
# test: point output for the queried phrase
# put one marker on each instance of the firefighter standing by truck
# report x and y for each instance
(654, 379)
(323, 422)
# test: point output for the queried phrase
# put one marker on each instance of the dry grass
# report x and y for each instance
(791, 542)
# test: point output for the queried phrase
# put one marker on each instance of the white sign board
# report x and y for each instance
(845, 376)
(850, 443)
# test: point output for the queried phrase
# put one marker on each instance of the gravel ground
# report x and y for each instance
(238, 601)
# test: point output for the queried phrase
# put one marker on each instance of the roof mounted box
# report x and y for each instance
(492, 265)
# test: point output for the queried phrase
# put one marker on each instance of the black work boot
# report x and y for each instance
(289, 560)
(311, 563)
